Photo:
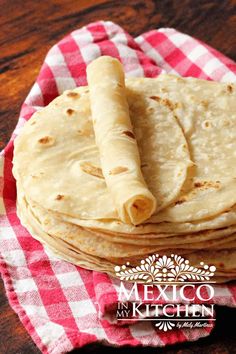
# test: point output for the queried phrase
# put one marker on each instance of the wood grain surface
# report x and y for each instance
(28, 29)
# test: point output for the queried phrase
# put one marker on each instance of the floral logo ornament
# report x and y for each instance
(166, 269)
(165, 325)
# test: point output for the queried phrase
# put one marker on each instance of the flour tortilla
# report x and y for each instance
(196, 240)
(57, 160)
(103, 246)
(224, 259)
(205, 111)
(162, 229)
(118, 149)
(154, 242)
(185, 130)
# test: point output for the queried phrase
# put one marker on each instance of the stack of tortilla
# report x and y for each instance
(119, 170)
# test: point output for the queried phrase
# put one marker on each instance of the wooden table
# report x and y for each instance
(28, 29)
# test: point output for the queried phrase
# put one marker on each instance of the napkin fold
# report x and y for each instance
(63, 306)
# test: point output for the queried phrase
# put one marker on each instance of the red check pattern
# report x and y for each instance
(63, 306)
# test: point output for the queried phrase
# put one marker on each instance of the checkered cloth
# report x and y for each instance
(63, 306)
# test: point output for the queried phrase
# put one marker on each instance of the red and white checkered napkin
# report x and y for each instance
(63, 306)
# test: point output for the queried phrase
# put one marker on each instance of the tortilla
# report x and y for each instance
(224, 259)
(58, 162)
(196, 240)
(206, 112)
(119, 155)
(100, 245)
(162, 229)
(176, 137)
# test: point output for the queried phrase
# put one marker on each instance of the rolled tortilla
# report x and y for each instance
(115, 139)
